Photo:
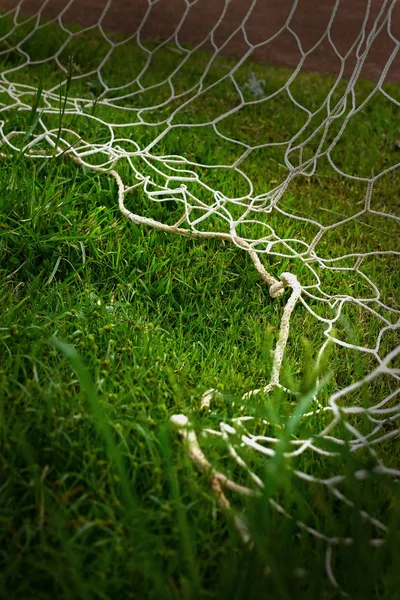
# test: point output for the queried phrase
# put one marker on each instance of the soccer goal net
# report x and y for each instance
(180, 104)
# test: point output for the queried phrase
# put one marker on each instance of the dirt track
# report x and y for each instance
(309, 21)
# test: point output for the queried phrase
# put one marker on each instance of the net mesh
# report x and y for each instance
(325, 259)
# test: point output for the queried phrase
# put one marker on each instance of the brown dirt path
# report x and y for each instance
(309, 21)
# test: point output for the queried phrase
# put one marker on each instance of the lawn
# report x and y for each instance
(108, 328)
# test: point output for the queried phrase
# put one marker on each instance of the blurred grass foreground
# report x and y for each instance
(110, 327)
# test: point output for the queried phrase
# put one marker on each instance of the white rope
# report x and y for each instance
(251, 220)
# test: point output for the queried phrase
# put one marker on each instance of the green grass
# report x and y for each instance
(107, 329)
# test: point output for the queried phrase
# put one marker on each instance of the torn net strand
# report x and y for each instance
(208, 212)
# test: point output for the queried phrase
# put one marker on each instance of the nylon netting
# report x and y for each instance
(336, 257)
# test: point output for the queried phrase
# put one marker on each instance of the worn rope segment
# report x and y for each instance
(311, 276)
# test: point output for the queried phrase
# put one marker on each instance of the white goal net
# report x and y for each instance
(188, 131)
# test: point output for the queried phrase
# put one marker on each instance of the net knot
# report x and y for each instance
(286, 280)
